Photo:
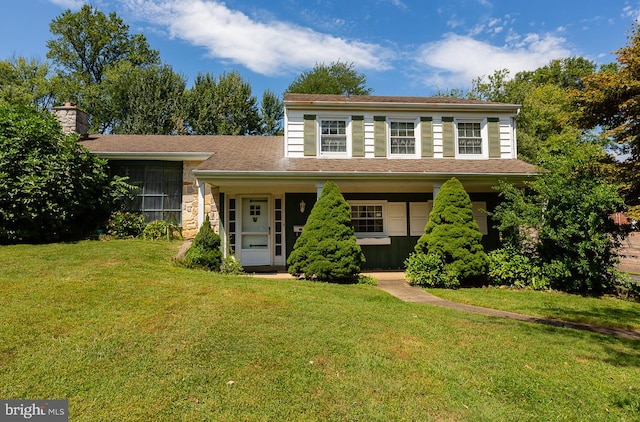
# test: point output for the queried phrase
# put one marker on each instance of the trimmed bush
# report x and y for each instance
(326, 249)
(123, 225)
(205, 252)
(452, 234)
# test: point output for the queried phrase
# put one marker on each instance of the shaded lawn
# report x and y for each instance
(606, 311)
(124, 335)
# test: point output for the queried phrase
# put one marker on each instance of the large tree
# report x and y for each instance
(546, 98)
(86, 44)
(221, 106)
(336, 78)
(271, 114)
(611, 100)
(26, 81)
(51, 188)
(144, 101)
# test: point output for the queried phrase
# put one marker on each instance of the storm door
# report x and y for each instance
(255, 231)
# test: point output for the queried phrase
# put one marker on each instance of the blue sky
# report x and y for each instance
(404, 47)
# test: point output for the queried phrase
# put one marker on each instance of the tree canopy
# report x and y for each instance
(611, 100)
(87, 45)
(337, 78)
(87, 42)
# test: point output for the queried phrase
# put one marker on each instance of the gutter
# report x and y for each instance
(159, 156)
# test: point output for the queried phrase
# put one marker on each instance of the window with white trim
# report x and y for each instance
(367, 218)
(333, 136)
(469, 138)
(402, 138)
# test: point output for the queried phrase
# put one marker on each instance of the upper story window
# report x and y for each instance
(469, 138)
(402, 138)
(333, 136)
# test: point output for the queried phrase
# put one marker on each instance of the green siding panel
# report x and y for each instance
(448, 138)
(426, 133)
(357, 136)
(380, 136)
(493, 129)
(310, 134)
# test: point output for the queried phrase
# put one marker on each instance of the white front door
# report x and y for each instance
(255, 232)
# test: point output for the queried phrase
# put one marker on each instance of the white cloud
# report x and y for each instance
(456, 60)
(267, 48)
(69, 4)
(400, 4)
(631, 12)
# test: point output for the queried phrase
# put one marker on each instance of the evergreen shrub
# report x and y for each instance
(326, 249)
(205, 252)
(452, 234)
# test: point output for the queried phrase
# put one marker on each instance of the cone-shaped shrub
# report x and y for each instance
(453, 234)
(326, 249)
(205, 250)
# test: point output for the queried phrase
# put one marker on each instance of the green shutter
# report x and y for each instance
(426, 134)
(357, 136)
(448, 138)
(493, 129)
(310, 133)
(380, 136)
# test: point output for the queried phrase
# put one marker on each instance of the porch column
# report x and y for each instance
(201, 194)
(319, 187)
(436, 189)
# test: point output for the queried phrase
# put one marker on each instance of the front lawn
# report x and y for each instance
(605, 311)
(125, 335)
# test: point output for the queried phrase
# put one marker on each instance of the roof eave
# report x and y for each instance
(266, 177)
(333, 105)
(160, 156)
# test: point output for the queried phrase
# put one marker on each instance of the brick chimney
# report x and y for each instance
(72, 119)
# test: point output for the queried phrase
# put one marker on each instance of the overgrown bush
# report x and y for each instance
(452, 234)
(205, 252)
(429, 270)
(326, 249)
(507, 267)
(51, 188)
(162, 230)
(123, 224)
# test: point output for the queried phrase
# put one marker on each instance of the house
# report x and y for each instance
(388, 155)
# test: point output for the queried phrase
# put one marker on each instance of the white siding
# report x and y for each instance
(294, 130)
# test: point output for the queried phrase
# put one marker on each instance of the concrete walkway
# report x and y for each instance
(395, 284)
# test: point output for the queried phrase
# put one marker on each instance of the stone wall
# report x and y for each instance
(190, 202)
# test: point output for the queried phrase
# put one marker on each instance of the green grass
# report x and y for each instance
(605, 311)
(123, 334)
